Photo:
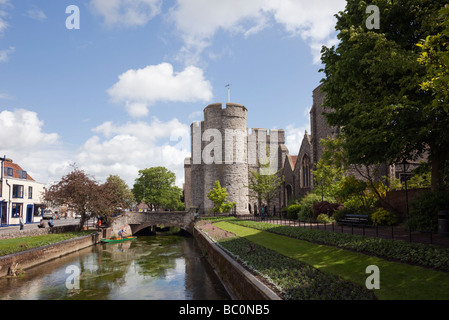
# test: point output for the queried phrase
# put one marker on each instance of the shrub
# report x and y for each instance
(293, 210)
(424, 210)
(382, 217)
(342, 212)
(325, 207)
(324, 218)
(306, 212)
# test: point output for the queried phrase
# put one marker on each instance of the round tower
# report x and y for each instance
(225, 153)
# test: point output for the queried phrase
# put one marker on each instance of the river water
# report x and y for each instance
(148, 268)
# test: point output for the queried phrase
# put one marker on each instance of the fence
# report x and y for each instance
(393, 233)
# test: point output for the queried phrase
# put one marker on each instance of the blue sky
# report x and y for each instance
(119, 94)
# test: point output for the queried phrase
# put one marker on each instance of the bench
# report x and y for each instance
(354, 219)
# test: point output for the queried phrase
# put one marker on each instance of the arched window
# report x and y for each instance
(289, 193)
(305, 172)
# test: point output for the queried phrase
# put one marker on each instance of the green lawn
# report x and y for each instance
(9, 246)
(397, 280)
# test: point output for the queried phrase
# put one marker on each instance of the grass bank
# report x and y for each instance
(9, 246)
(397, 280)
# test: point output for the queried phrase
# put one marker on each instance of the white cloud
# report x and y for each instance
(126, 149)
(5, 96)
(3, 14)
(198, 20)
(4, 54)
(23, 139)
(126, 13)
(142, 88)
(23, 129)
(294, 136)
(36, 14)
(113, 149)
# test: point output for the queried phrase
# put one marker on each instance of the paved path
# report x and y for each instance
(28, 226)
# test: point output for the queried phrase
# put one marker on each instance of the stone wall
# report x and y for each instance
(6, 234)
(239, 282)
(30, 258)
(132, 222)
(397, 200)
(318, 125)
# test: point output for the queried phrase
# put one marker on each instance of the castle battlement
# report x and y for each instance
(216, 110)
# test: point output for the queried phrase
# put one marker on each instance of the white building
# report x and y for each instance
(20, 195)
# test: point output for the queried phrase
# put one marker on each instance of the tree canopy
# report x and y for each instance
(373, 86)
(87, 197)
(156, 187)
(218, 196)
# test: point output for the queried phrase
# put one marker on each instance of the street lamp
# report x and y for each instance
(405, 166)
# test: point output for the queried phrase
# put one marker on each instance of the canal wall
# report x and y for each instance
(239, 282)
(16, 233)
(32, 257)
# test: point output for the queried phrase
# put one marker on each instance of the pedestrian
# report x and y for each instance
(50, 223)
(263, 213)
(21, 222)
(42, 224)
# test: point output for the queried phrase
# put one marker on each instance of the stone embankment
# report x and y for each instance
(239, 282)
(32, 257)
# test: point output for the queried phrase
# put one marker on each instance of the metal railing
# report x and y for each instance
(387, 232)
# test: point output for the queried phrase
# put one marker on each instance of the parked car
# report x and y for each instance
(48, 214)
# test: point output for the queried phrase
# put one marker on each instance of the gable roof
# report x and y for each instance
(294, 159)
(16, 170)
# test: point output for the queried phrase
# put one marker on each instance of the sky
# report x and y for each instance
(112, 86)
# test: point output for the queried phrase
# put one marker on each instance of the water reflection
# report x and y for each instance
(148, 268)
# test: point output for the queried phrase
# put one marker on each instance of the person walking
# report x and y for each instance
(21, 223)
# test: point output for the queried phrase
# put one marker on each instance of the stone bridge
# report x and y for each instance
(133, 222)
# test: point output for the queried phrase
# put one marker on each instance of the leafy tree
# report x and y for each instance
(123, 196)
(156, 187)
(373, 86)
(218, 196)
(113, 196)
(76, 190)
(435, 58)
(264, 185)
(327, 179)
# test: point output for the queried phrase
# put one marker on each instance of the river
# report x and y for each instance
(167, 267)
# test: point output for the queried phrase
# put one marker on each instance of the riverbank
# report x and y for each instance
(398, 281)
(32, 257)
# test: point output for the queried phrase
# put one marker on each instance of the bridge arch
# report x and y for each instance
(132, 222)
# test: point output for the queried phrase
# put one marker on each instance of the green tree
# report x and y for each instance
(264, 184)
(122, 195)
(218, 196)
(373, 86)
(327, 179)
(76, 190)
(156, 187)
(435, 58)
(113, 195)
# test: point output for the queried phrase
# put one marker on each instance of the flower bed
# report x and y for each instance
(412, 253)
(294, 279)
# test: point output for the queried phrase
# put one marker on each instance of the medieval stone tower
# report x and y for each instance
(222, 150)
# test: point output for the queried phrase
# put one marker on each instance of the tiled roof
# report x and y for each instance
(17, 170)
(294, 159)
